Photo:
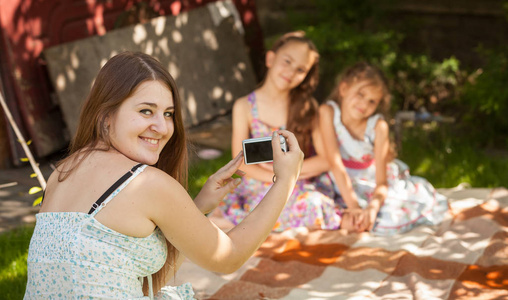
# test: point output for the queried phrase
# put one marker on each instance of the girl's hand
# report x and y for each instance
(353, 220)
(370, 217)
(286, 165)
(219, 184)
(367, 219)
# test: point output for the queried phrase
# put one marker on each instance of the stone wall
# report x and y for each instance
(203, 50)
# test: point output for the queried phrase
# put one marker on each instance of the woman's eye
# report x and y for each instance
(146, 112)
(169, 114)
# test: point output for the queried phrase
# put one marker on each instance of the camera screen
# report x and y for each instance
(258, 152)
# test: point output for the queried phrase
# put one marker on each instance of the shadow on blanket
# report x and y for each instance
(464, 257)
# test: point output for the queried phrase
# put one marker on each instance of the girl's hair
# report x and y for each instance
(303, 108)
(117, 81)
(370, 74)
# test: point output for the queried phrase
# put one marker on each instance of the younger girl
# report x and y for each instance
(380, 195)
(284, 101)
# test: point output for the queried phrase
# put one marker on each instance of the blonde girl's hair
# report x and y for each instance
(302, 108)
(117, 80)
(365, 72)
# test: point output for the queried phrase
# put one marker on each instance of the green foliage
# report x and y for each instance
(447, 159)
(338, 28)
(418, 82)
(349, 31)
(346, 32)
(200, 170)
(14, 249)
(484, 103)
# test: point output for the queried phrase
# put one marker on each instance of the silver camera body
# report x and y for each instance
(259, 150)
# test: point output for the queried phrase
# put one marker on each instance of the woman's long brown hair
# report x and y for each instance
(116, 81)
(303, 108)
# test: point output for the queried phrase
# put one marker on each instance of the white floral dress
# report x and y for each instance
(74, 256)
(411, 200)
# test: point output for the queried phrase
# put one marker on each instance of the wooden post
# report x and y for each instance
(29, 155)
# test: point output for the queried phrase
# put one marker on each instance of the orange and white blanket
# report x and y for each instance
(465, 257)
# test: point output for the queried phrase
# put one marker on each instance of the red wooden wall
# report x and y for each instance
(30, 26)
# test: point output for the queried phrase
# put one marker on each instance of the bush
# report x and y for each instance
(484, 103)
(341, 31)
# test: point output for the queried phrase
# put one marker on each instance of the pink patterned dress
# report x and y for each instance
(310, 205)
(411, 200)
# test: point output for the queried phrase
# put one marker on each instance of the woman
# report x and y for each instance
(96, 244)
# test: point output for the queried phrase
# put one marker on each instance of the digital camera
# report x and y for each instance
(259, 150)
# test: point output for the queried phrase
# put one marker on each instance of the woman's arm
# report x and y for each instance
(332, 152)
(169, 206)
(240, 131)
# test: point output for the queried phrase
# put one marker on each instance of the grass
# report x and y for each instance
(433, 152)
(201, 170)
(14, 249)
(447, 158)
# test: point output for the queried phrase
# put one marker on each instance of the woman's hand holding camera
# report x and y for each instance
(286, 165)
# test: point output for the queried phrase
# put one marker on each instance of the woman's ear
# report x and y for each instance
(269, 58)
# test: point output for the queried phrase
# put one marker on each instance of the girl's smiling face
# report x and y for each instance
(359, 100)
(143, 123)
(290, 64)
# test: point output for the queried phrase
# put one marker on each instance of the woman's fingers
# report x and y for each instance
(231, 167)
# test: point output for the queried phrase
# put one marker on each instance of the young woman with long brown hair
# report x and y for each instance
(116, 210)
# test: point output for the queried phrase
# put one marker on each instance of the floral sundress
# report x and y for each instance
(310, 205)
(411, 200)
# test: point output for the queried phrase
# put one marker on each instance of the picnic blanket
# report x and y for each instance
(465, 257)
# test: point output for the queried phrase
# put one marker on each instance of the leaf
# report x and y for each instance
(27, 142)
(33, 175)
(24, 159)
(34, 190)
(37, 201)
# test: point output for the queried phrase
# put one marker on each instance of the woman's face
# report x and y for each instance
(143, 123)
(289, 65)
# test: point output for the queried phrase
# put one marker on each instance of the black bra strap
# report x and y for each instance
(113, 188)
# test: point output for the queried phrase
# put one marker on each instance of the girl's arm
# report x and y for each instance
(240, 131)
(169, 206)
(381, 150)
(317, 164)
(332, 152)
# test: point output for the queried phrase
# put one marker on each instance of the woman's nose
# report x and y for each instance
(160, 125)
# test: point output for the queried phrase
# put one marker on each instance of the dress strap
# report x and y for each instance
(253, 106)
(336, 113)
(370, 132)
(116, 188)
